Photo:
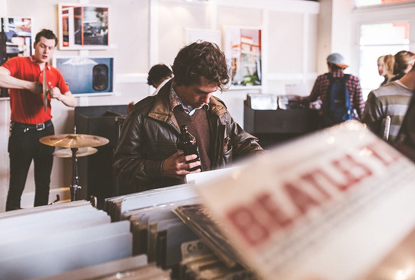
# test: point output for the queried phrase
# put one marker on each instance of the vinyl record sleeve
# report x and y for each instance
(153, 220)
(185, 271)
(101, 270)
(148, 272)
(41, 224)
(63, 252)
(176, 234)
(45, 208)
(196, 217)
(330, 205)
(161, 239)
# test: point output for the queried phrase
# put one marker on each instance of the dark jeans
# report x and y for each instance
(24, 146)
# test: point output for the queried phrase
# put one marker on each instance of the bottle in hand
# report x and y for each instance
(188, 144)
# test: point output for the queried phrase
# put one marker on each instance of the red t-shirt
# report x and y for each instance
(27, 107)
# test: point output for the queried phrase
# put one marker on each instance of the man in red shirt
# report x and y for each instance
(29, 120)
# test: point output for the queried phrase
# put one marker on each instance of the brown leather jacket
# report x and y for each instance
(149, 136)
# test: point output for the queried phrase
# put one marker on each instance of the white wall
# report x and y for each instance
(335, 33)
(145, 32)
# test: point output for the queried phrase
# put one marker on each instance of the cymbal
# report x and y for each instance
(81, 152)
(74, 140)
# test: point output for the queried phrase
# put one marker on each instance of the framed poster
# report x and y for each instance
(83, 26)
(243, 49)
(86, 75)
(15, 41)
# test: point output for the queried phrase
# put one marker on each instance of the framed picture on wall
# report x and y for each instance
(87, 75)
(15, 40)
(83, 26)
(242, 48)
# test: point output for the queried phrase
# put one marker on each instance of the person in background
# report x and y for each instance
(147, 157)
(336, 66)
(404, 60)
(158, 75)
(29, 120)
(386, 65)
(390, 100)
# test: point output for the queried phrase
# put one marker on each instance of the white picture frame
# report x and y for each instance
(87, 75)
(243, 50)
(83, 26)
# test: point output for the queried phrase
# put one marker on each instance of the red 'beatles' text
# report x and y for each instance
(263, 216)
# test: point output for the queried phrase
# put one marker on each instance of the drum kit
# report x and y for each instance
(74, 146)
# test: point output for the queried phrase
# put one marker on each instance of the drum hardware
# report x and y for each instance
(81, 152)
(73, 142)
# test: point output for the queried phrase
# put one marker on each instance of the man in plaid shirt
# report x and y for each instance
(336, 65)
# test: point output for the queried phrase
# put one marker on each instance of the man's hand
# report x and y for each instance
(36, 87)
(55, 93)
(176, 167)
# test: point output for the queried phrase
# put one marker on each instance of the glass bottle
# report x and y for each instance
(188, 144)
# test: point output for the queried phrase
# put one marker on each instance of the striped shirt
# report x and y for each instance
(321, 88)
(390, 100)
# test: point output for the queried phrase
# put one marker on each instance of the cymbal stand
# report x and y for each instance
(75, 177)
(74, 142)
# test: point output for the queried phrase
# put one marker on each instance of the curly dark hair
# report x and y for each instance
(48, 34)
(201, 59)
(158, 72)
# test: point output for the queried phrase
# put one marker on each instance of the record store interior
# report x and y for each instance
(280, 191)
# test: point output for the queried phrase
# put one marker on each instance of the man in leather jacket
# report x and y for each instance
(147, 156)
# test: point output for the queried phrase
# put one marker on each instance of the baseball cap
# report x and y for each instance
(337, 59)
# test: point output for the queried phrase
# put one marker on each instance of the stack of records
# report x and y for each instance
(48, 240)
(132, 268)
(164, 222)
(218, 260)
(116, 206)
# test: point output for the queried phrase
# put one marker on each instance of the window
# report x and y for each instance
(377, 40)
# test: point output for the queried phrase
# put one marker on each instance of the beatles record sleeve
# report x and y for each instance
(329, 206)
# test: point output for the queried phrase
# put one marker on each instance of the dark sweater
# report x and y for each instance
(197, 124)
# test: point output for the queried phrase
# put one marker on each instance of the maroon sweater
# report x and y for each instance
(197, 124)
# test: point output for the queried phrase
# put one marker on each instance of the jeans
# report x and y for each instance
(24, 146)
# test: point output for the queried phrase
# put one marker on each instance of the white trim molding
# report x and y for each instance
(131, 78)
(289, 6)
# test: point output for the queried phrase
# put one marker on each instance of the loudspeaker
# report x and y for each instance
(100, 77)
(86, 74)
(96, 176)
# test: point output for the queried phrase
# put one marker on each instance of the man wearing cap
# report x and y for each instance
(336, 66)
